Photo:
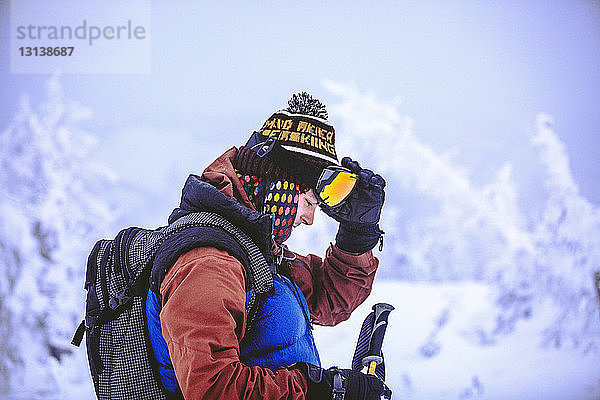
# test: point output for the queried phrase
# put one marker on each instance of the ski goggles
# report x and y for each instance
(335, 185)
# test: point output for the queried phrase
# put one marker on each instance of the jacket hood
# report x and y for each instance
(198, 195)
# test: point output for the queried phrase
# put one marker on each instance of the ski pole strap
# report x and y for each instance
(339, 391)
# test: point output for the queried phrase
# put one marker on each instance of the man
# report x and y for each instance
(197, 305)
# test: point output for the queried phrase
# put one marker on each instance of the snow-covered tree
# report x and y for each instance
(51, 212)
(442, 226)
(567, 241)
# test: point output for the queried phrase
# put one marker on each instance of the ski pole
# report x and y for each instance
(368, 349)
(374, 356)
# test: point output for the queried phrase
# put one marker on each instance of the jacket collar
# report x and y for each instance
(219, 190)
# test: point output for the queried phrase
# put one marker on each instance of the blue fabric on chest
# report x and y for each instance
(282, 332)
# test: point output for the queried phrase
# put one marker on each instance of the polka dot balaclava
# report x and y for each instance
(280, 199)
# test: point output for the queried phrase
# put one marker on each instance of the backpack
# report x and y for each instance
(120, 356)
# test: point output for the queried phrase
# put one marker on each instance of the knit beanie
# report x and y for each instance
(298, 139)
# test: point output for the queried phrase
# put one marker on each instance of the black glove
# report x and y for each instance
(326, 384)
(359, 215)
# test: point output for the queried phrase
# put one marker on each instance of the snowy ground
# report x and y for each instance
(450, 321)
(468, 364)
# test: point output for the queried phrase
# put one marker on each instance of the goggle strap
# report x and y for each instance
(265, 147)
(288, 161)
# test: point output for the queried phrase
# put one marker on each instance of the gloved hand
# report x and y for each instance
(359, 215)
(326, 384)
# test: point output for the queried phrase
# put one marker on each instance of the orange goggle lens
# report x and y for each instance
(335, 185)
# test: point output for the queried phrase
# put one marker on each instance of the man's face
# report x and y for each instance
(307, 205)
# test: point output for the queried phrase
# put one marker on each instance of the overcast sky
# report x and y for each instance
(472, 74)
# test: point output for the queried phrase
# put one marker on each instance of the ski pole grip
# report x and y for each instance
(380, 322)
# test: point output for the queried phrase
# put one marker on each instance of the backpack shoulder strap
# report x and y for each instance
(259, 271)
(118, 270)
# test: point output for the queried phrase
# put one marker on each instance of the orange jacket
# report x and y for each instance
(204, 317)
